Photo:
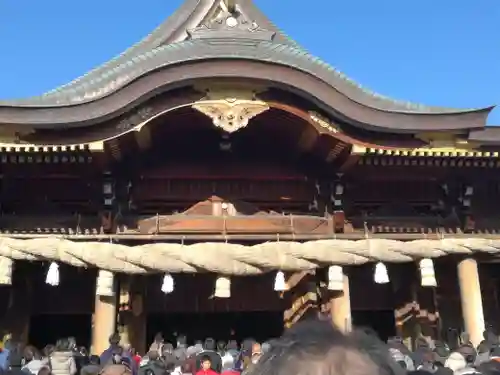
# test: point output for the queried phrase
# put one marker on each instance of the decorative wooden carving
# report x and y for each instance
(231, 114)
(323, 122)
(135, 118)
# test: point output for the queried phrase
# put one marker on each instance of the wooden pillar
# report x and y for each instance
(103, 323)
(471, 299)
(340, 307)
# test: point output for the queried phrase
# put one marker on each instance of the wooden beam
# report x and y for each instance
(297, 277)
(335, 151)
(255, 237)
(302, 298)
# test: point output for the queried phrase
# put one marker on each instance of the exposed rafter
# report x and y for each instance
(114, 148)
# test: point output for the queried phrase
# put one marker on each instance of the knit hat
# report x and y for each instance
(455, 362)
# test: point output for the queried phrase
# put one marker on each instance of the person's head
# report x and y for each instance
(29, 353)
(221, 346)
(94, 360)
(206, 363)
(159, 337)
(421, 343)
(187, 367)
(72, 343)
(114, 339)
(316, 348)
(153, 355)
(209, 344)
(489, 368)
(455, 362)
(232, 345)
(441, 349)
(468, 352)
(266, 346)
(246, 345)
(62, 345)
(48, 350)
(167, 349)
(256, 352)
(44, 370)
(181, 340)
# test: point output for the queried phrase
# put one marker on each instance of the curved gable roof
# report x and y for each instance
(168, 36)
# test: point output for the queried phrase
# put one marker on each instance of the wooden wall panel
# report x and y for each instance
(365, 294)
(193, 293)
(74, 295)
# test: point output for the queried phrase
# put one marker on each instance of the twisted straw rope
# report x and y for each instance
(233, 259)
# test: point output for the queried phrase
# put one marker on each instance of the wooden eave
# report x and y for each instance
(36, 154)
(41, 148)
(428, 152)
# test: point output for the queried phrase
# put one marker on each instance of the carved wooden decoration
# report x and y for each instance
(323, 122)
(231, 114)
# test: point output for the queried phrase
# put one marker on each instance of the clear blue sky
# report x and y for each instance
(439, 52)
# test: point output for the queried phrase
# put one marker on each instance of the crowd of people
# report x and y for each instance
(309, 348)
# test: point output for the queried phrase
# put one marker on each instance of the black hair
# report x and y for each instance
(318, 345)
(94, 360)
(209, 344)
(62, 345)
(114, 339)
(181, 340)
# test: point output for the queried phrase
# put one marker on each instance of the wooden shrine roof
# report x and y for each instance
(203, 39)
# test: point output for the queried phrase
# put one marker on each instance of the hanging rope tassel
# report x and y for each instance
(381, 275)
(6, 265)
(427, 273)
(279, 282)
(168, 284)
(222, 287)
(335, 278)
(53, 274)
(105, 284)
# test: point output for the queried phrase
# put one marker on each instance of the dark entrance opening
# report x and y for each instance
(47, 329)
(380, 321)
(261, 325)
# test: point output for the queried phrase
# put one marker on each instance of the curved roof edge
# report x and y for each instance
(161, 79)
(190, 14)
(208, 49)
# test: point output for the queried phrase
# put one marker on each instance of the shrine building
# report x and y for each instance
(216, 179)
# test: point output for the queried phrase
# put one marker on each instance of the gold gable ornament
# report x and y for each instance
(231, 114)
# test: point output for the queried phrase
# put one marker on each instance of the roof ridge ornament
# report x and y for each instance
(230, 23)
